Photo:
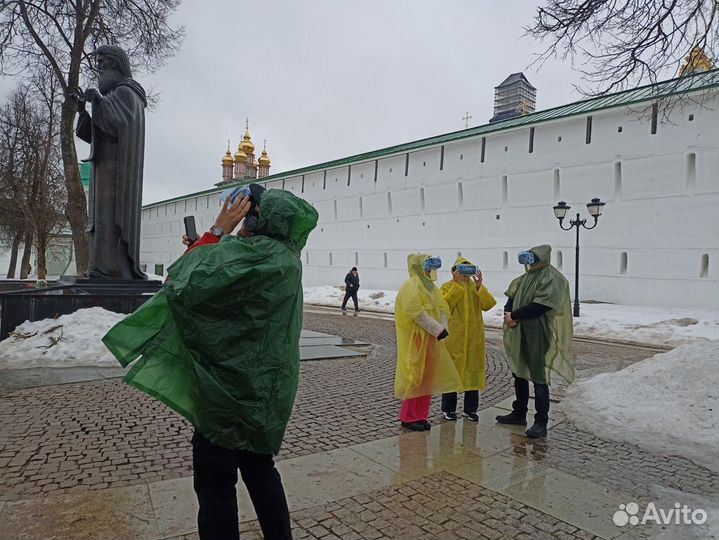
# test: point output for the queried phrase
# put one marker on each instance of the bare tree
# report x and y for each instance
(63, 34)
(32, 176)
(13, 150)
(621, 44)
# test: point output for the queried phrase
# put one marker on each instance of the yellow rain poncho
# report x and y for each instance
(466, 329)
(542, 344)
(424, 366)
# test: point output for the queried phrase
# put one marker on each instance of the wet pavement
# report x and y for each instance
(96, 459)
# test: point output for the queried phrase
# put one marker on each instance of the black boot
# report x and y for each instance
(539, 429)
(414, 426)
(514, 418)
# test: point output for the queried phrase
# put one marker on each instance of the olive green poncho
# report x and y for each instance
(542, 344)
(220, 342)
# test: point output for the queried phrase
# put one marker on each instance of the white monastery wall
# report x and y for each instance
(656, 244)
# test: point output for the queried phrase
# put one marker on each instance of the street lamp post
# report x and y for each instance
(595, 208)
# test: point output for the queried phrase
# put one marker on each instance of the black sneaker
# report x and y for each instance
(450, 415)
(344, 309)
(427, 425)
(414, 426)
(473, 416)
(513, 418)
(539, 429)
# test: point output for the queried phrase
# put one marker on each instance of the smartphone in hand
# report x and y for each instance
(191, 229)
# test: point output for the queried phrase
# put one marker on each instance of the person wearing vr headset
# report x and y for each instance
(424, 366)
(220, 345)
(467, 298)
(537, 336)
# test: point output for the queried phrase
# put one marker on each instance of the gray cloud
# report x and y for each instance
(323, 79)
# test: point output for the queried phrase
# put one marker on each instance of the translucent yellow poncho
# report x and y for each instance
(466, 329)
(535, 347)
(424, 366)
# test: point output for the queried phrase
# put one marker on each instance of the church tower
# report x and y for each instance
(513, 97)
(227, 165)
(249, 149)
(264, 163)
(240, 161)
(244, 166)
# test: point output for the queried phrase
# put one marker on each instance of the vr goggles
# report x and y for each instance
(432, 263)
(466, 269)
(254, 191)
(527, 258)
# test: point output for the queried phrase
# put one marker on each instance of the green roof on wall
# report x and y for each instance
(642, 94)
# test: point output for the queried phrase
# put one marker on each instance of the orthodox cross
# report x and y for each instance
(467, 117)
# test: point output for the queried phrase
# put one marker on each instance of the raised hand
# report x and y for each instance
(231, 214)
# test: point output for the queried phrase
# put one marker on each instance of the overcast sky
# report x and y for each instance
(324, 79)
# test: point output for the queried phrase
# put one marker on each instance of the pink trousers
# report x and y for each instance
(415, 409)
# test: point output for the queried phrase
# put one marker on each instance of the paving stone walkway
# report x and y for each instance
(99, 447)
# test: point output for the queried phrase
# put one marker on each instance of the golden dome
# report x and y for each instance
(246, 145)
(264, 158)
(695, 62)
(227, 159)
(240, 155)
(255, 163)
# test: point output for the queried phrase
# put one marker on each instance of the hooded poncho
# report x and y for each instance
(220, 342)
(466, 329)
(424, 366)
(542, 344)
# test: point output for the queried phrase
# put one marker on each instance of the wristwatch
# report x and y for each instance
(217, 231)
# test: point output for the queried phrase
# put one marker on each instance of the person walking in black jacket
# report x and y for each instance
(351, 288)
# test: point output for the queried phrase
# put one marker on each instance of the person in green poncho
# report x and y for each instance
(537, 336)
(219, 344)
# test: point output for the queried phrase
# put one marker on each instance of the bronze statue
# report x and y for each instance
(116, 132)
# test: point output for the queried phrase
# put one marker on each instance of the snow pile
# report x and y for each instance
(68, 341)
(372, 299)
(663, 326)
(668, 404)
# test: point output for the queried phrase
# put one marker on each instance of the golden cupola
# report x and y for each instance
(263, 163)
(227, 164)
(264, 158)
(227, 159)
(246, 145)
(240, 154)
(695, 62)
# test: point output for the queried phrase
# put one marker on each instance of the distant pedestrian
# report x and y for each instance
(537, 336)
(351, 288)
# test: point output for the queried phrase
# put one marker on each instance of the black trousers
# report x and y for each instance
(541, 399)
(215, 476)
(471, 401)
(353, 294)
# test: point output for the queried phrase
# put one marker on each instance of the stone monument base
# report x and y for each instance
(70, 294)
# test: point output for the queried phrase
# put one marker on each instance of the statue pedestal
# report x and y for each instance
(70, 294)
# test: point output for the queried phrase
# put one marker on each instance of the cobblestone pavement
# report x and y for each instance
(102, 434)
(441, 505)
(95, 435)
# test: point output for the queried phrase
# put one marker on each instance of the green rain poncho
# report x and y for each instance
(220, 342)
(424, 366)
(542, 344)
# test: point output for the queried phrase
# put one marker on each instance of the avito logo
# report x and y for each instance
(628, 514)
